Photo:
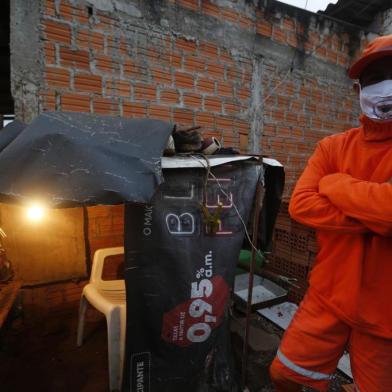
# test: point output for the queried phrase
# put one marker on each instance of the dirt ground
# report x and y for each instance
(43, 357)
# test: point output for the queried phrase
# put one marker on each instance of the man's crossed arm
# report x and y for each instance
(338, 201)
(368, 202)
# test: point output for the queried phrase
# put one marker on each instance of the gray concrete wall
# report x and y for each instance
(26, 57)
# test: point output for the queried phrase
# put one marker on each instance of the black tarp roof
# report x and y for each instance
(69, 159)
(357, 12)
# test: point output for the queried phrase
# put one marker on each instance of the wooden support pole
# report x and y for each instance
(257, 209)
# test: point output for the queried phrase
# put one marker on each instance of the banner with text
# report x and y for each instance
(181, 252)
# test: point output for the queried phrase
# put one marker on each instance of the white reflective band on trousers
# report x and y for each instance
(303, 372)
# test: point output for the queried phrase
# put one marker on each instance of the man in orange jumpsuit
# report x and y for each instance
(345, 193)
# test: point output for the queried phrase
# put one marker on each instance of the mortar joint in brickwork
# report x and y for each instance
(57, 100)
(186, 37)
(57, 7)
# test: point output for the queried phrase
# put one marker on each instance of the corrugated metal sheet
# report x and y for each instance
(357, 12)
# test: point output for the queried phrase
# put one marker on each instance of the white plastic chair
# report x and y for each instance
(107, 296)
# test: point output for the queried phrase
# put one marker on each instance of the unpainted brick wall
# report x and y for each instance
(193, 62)
(105, 227)
(293, 254)
(56, 300)
(96, 63)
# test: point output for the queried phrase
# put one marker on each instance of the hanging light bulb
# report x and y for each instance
(35, 212)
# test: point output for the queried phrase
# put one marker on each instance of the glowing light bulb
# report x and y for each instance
(35, 213)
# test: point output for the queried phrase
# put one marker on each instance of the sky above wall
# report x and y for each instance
(310, 5)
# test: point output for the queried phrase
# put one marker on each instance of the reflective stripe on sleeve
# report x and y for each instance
(303, 372)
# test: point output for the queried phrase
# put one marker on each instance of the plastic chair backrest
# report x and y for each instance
(97, 268)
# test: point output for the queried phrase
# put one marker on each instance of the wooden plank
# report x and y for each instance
(8, 293)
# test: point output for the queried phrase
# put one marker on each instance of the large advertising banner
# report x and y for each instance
(181, 253)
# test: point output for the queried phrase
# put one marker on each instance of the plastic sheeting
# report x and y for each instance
(68, 159)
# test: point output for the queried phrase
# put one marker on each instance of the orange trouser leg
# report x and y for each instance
(281, 382)
(371, 362)
(310, 348)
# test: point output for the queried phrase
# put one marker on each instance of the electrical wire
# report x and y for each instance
(207, 165)
(279, 84)
(209, 173)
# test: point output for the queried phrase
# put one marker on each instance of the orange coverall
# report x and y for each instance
(345, 193)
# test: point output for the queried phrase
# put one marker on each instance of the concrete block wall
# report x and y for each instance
(266, 78)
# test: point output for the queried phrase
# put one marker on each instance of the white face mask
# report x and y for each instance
(376, 101)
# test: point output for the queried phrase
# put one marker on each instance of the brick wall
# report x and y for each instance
(293, 254)
(105, 227)
(60, 298)
(54, 300)
(123, 64)
(93, 64)
(265, 79)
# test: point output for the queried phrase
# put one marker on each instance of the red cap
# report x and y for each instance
(375, 50)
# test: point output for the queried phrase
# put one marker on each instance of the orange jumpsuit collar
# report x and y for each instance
(374, 131)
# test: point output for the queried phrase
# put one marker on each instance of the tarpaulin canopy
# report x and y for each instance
(70, 159)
